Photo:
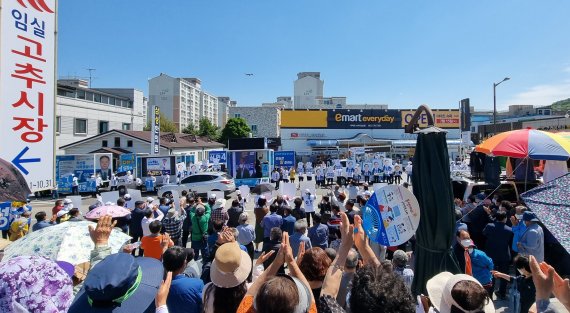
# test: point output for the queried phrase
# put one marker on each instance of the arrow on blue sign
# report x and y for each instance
(18, 160)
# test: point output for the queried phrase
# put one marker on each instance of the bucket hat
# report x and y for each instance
(439, 290)
(230, 267)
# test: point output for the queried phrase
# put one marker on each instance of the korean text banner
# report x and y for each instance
(127, 162)
(155, 145)
(81, 166)
(442, 118)
(27, 94)
(220, 156)
(371, 118)
(284, 158)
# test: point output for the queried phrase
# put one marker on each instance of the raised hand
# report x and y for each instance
(263, 257)
(543, 281)
(101, 233)
(163, 290)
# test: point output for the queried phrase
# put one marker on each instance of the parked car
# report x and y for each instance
(201, 183)
(509, 190)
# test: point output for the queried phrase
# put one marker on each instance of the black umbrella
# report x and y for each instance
(431, 184)
(263, 188)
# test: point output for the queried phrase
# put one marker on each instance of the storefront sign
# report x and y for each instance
(307, 135)
(442, 118)
(388, 119)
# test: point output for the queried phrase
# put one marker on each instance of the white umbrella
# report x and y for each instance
(68, 241)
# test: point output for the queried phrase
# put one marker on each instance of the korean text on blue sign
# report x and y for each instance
(284, 158)
(127, 162)
(5, 215)
(221, 156)
(156, 131)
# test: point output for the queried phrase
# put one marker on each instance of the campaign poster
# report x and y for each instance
(80, 166)
(391, 216)
(158, 166)
(284, 158)
(244, 166)
(377, 166)
(127, 162)
(5, 215)
(104, 165)
(219, 157)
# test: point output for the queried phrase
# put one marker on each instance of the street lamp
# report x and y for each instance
(495, 104)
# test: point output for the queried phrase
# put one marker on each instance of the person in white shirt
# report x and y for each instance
(75, 185)
(149, 218)
(408, 172)
(139, 183)
(309, 201)
(114, 182)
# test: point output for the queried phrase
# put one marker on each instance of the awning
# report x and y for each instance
(322, 143)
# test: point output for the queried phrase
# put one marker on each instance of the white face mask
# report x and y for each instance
(466, 243)
(519, 216)
(470, 250)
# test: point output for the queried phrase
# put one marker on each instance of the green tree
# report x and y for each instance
(562, 105)
(207, 129)
(190, 129)
(236, 127)
(166, 125)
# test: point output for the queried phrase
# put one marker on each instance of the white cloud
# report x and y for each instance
(542, 95)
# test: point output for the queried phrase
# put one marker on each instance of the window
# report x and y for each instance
(105, 99)
(80, 94)
(117, 141)
(103, 126)
(89, 96)
(104, 143)
(129, 143)
(126, 126)
(111, 101)
(254, 128)
(237, 115)
(97, 97)
(58, 124)
(80, 126)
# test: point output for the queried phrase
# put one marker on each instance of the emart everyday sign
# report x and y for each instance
(27, 93)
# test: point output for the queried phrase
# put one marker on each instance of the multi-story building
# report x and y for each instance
(182, 100)
(308, 88)
(224, 104)
(83, 112)
(263, 121)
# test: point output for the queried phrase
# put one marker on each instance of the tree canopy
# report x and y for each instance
(166, 125)
(236, 127)
(562, 105)
(190, 129)
(207, 129)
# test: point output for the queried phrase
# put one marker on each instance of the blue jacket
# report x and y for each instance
(517, 232)
(532, 242)
(289, 224)
(499, 238)
(481, 266)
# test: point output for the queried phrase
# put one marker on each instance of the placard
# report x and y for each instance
(5, 215)
(391, 216)
(135, 196)
(289, 190)
(110, 196)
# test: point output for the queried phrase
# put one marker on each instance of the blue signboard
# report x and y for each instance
(81, 166)
(127, 162)
(5, 215)
(221, 156)
(284, 158)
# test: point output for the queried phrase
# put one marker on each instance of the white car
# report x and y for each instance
(201, 183)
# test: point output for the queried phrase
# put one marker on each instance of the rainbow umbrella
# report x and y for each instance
(527, 143)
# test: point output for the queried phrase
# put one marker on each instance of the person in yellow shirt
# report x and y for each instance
(19, 227)
(292, 175)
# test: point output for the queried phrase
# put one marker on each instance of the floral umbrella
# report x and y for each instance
(112, 210)
(551, 203)
(68, 241)
(527, 143)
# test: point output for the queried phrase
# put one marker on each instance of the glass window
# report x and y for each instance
(237, 115)
(105, 99)
(126, 126)
(129, 143)
(117, 141)
(80, 126)
(97, 97)
(103, 126)
(58, 124)
(111, 101)
(104, 143)
(89, 96)
(80, 94)
(254, 128)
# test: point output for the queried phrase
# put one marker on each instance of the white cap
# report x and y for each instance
(212, 196)
(367, 193)
(307, 191)
(62, 212)
(67, 201)
(238, 192)
(109, 203)
(127, 196)
(149, 199)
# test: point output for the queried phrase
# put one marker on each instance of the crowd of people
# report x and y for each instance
(291, 255)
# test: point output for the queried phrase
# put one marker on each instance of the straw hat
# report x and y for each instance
(230, 267)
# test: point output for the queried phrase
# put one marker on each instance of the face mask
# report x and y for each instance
(519, 216)
(470, 250)
(466, 243)
(494, 201)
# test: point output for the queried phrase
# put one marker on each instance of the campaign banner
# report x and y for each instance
(104, 165)
(217, 156)
(158, 166)
(244, 166)
(369, 118)
(465, 115)
(81, 166)
(391, 216)
(155, 130)
(5, 215)
(284, 158)
(127, 162)
(27, 83)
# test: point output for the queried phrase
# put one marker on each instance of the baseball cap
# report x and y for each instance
(400, 258)
(149, 199)
(67, 201)
(212, 196)
(127, 196)
(529, 216)
(307, 191)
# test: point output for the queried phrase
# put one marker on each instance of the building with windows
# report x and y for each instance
(263, 121)
(83, 112)
(224, 104)
(182, 100)
(308, 88)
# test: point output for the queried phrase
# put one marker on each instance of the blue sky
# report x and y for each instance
(400, 53)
